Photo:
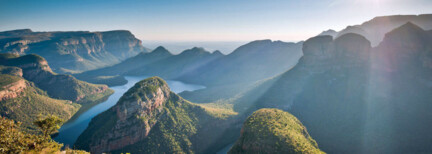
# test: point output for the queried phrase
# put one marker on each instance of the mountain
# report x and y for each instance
(22, 101)
(274, 131)
(353, 97)
(329, 32)
(36, 69)
(250, 62)
(374, 30)
(159, 62)
(73, 51)
(149, 118)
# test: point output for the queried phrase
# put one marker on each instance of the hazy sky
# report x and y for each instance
(202, 20)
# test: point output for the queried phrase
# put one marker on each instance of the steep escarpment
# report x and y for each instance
(11, 87)
(274, 131)
(73, 51)
(36, 69)
(22, 101)
(150, 118)
(352, 97)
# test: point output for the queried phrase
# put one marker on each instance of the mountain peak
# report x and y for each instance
(146, 89)
(161, 50)
(195, 50)
(329, 32)
(217, 52)
(409, 26)
(406, 32)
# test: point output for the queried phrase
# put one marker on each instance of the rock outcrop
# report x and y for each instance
(12, 90)
(149, 118)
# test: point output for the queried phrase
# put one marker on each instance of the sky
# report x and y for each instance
(202, 20)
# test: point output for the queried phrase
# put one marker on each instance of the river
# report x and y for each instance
(70, 131)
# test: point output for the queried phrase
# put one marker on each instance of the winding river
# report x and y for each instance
(70, 131)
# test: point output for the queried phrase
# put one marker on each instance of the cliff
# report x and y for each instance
(73, 51)
(22, 101)
(36, 69)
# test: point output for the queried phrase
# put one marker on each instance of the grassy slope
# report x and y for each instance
(274, 131)
(33, 102)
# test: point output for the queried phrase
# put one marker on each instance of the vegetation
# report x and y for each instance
(13, 140)
(48, 125)
(32, 102)
(274, 131)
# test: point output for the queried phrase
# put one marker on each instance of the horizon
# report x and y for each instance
(202, 21)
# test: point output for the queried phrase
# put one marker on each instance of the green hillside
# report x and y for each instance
(274, 131)
(32, 102)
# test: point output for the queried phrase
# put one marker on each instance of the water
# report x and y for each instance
(70, 131)
(225, 149)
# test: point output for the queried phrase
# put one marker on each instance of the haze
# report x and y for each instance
(222, 20)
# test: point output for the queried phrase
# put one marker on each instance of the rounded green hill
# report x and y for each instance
(274, 131)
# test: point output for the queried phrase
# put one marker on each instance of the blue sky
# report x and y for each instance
(202, 20)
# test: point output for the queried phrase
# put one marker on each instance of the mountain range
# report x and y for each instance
(365, 89)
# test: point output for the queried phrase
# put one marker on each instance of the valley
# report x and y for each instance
(365, 87)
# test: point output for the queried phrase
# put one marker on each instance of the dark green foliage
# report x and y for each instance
(274, 131)
(13, 140)
(48, 125)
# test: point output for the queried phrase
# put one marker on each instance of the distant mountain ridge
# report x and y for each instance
(73, 51)
(158, 62)
(374, 30)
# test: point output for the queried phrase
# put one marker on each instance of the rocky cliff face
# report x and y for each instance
(36, 69)
(150, 118)
(136, 113)
(73, 51)
(12, 90)
(22, 101)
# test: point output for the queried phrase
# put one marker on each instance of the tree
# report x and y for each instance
(48, 125)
